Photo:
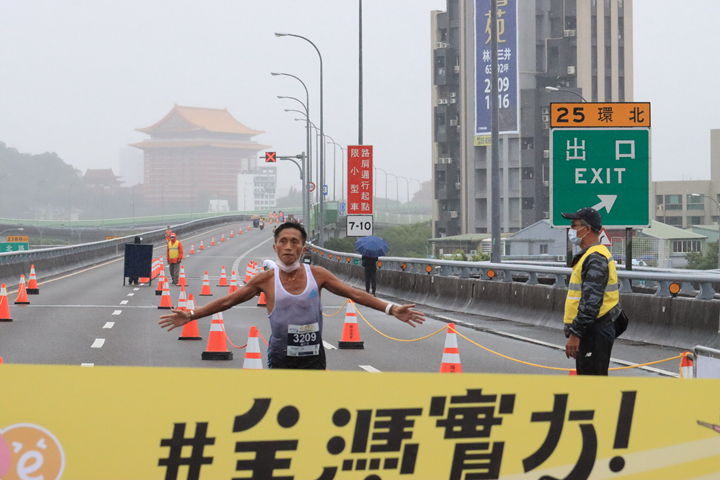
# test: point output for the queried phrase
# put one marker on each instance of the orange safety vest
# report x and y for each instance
(174, 252)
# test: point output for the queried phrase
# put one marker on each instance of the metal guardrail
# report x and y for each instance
(667, 284)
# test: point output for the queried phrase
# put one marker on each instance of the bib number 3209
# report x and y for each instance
(303, 340)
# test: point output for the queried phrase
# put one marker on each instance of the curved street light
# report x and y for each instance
(555, 89)
(38, 199)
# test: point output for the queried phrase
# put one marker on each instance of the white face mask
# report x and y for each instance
(288, 268)
(574, 239)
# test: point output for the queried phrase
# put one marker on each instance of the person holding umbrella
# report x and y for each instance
(371, 248)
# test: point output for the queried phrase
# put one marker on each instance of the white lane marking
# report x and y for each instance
(329, 346)
(240, 258)
(513, 336)
(130, 294)
(109, 324)
(87, 364)
(136, 289)
(369, 368)
(117, 312)
(124, 302)
(98, 343)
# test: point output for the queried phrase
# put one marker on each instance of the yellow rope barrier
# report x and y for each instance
(340, 310)
(399, 339)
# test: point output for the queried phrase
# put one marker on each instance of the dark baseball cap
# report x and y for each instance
(589, 215)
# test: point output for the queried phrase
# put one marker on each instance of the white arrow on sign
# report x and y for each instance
(606, 201)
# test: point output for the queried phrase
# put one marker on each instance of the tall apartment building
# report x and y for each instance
(257, 189)
(584, 46)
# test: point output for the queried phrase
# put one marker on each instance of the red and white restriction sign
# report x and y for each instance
(360, 180)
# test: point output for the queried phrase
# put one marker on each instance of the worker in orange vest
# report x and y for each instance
(174, 257)
(167, 233)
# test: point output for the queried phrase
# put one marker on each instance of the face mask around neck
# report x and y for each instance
(288, 268)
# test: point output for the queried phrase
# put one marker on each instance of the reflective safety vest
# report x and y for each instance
(173, 250)
(612, 295)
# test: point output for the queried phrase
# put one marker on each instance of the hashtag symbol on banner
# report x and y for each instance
(196, 459)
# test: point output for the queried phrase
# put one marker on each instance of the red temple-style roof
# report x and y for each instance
(196, 119)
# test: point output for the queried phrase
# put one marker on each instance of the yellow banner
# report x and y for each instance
(483, 141)
(16, 239)
(618, 114)
(127, 423)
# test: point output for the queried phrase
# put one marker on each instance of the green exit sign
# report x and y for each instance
(604, 168)
(14, 247)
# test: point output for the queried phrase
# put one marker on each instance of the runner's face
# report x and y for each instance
(289, 246)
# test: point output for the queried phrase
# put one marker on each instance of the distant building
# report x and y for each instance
(684, 203)
(257, 190)
(194, 152)
(667, 246)
(132, 166)
(585, 46)
(540, 238)
(101, 178)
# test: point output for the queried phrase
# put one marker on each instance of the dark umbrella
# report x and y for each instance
(372, 246)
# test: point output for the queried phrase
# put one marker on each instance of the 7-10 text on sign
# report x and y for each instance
(360, 180)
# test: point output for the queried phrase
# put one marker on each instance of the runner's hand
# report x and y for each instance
(177, 319)
(407, 315)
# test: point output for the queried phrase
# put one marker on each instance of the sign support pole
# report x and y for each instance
(628, 249)
(495, 255)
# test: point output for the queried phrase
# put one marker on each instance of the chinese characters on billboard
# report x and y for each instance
(360, 180)
(508, 101)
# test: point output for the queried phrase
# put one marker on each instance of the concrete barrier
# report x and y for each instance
(671, 321)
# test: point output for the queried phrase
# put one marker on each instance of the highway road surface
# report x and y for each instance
(89, 318)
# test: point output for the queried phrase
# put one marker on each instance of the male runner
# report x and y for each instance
(292, 293)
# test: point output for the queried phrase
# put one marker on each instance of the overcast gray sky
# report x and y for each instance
(78, 77)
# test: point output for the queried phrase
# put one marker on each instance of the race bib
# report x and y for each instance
(303, 340)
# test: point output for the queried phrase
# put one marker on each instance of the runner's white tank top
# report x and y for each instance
(296, 320)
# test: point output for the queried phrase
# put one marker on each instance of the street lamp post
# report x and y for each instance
(407, 185)
(334, 165)
(419, 183)
(397, 187)
(192, 188)
(321, 179)
(70, 204)
(386, 179)
(1, 177)
(718, 206)
(102, 205)
(133, 202)
(38, 199)
(555, 89)
(19, 229)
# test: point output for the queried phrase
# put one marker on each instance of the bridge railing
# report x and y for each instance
(661, 284)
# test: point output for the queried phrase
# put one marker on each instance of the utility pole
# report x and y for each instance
(496, 254)
(360, 80)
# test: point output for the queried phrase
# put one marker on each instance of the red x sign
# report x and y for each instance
(270, 157)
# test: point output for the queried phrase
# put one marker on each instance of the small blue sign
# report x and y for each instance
(325, 189)
(342, 207)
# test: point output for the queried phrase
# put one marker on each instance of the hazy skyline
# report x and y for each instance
(78, 78)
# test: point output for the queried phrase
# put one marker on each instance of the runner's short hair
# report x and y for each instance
(286, 225)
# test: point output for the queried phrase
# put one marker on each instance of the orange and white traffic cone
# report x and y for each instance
(32, 286)
(261, 300)
(4, 305)
(190, 330)
(351, 332)
(165, 300)
(182, 300)
(239, 231)
(213, 242)
(233, 283)
(253, 358)
(202, 247)
(249, 227)
(231, 234)
(222, 239)
(161, 282)
(192, 249)
(686, 365)
(205, 291)
(181, 281)
(248, 272)
(217, 343)
(22, 298)
(223, 278)
(451, 354)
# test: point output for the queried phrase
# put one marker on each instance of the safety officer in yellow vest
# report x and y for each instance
(592, 303)
(174, 257)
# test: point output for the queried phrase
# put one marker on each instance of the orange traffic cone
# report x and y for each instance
(249, 227)
(213, 242)
(4, 305)
(451, 354)
(231, 234)
(217, 343)
(165, 300)
(222, 239)
(686, 365)
(572, 372)
(190, 330)
(32, 286)
(161, 281)
(248, 272)
(223, 278)
(22, 298)
(233, 283)
(181, 281)
(351, 333)
(261, 301)
(1, 361)
(239, 231)
(205, 291)
(182, 300)
(192, 249)
(253, 358)
(202, 247)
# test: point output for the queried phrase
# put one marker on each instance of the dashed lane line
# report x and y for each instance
(124, 302)
(329, 346)
(130, 294)
(369, 368)
(136, 289)
(117, 312)
(109, 324)
(98, 343)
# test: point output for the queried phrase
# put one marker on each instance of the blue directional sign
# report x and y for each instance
(325, 189)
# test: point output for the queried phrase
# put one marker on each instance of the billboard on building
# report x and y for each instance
(508, 83)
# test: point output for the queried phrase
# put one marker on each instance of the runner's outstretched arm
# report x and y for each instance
(178, 318)
(330, 282)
